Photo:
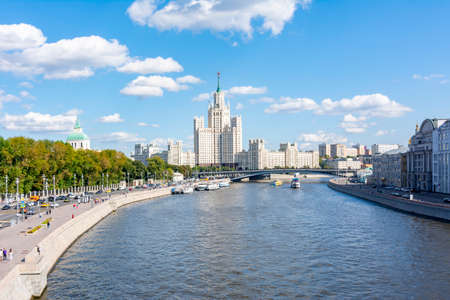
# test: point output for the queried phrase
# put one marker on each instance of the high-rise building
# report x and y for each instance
(361, 149)
(337, 150)
(176, 156)
(382, 148)
(218, 143)
(143, 152)
(324, 150)
(78, 139)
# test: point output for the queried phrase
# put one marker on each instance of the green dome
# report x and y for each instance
(77, 136)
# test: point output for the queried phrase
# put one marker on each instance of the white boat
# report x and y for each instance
(201, 187)
(224, 184)
(187, 190)
(212, 187)
(295, 183)
(177, 190)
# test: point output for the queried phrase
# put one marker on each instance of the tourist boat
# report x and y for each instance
(201, 187)
(223, 184)
(277, 183)
(177, 190)
(295, 183)
(188, 190)
(212, 187)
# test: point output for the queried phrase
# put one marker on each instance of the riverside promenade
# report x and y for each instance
(26, 275)
(422, 206)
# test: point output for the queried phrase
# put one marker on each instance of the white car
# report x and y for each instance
(54, 204)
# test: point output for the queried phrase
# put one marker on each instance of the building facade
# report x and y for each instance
(389, 168)
(343, 164)
(218, 143)
(324, 150)
(78, 139)
(382, 148)
(176, 156)
(143, 152)
(441, 158)
(337, 150)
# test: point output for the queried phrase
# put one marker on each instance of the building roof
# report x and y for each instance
(77, 134)
(401, 149)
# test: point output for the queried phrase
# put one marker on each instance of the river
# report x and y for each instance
(256, 241)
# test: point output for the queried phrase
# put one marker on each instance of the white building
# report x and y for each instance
(218, 143)
(382, 148)
(352, 152)
(78, 139)
(343, 164)
(337, 150)
(324, 150)
(143, 152)
(441, 158)
(176, 156)
(360, 149)
(389, 168)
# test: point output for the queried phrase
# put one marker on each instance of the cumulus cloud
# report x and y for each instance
(189, 79)
(148, 86)
(322, 137)
(121, 137)
(151, 65)
(292, 105)
(20, 36)
(201, 97)
(427, 77)
(239, 106)
(26, 94)
(37, 122)
(114, 118)
(373, 105)
(215, 15)
(384, 132)
(143, 124)
(247, 90)
(26, 84)
(4, 97)
(354, 127)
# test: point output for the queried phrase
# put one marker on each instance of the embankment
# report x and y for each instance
(420, 208)
(29, 279)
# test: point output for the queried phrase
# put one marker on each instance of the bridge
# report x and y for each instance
(265, 173)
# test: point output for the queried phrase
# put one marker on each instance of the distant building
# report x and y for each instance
(382, 148)
(143, 152)
(324, 150)
(176, 156)
(351, 152)
(441, 158)
(337, 150)
(389, 168)
(360, 149)
(366, 161)
(420, 156)
(78, 139)
(343, 164)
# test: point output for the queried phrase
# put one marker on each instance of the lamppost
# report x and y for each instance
(103, 182)
(74, 181)
(46, 192)
(128, 179)
(82, 183)
(17, 199)
(6, 188)
(107, 180)
(54, 187)
(43, 185)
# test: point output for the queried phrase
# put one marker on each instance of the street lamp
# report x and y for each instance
(17, 199)
(103, 182)
(74, 181)
(107, 180)
(82, 183)
(46, 192)
(6, 188)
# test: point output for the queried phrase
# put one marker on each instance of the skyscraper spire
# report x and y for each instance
(218, 83)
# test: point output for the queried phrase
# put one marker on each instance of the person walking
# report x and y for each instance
(5, 253)
(48, 225)
(10, 254)
(38, 250)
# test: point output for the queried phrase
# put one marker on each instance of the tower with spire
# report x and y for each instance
(78, 139)
(218, 143)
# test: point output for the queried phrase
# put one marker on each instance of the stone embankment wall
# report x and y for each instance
(30, 278)
(426, 209)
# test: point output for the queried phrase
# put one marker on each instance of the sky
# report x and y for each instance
(305, 71)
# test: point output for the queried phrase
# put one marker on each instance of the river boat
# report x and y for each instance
(295, 183)
(201, 187)
(187, 190)
(212, 187)
(177, 190)
(277, 183)
(223, 184)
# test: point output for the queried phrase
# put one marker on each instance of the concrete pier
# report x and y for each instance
(26, 279)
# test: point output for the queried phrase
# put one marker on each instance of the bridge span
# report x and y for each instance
(238, 175)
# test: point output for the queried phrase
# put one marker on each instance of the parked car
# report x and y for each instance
(54, 204)
(447, 200)
(395, 194)
(406, 196)
(99, 192)
(62, 197)
(30, 212)
(6, 207)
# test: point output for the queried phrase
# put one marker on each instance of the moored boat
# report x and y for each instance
(188, 190)
(295, 183)
(224, 184)
(201, 187)
(277, 183)
(212, 187)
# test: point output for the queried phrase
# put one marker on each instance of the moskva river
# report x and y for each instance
(256, 241)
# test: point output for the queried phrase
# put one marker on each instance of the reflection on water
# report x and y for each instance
(257, 241)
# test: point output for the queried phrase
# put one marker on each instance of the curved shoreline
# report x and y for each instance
(29, 279)
(420, 208)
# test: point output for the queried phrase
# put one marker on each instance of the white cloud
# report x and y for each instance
(189, 79)
(239, 106)
(384, 132)
(114, 118)
(262, 100)
(151, 65)
(292, 105)
(247, 90)
(427, 77)
(151, 86)
(354, 127)
(26, 84)
(161, 142)
(37, 122)
(235, 44)
(215, 15)
(26, 94)
(201, 97)
(322, 137)
(351, 118)
(27, 106)
(20, 36)
(143, 124)
(121, 137)
(444, 81)
(4, 97)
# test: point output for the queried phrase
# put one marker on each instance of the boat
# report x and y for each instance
(187, 190)
(177, 190)
(277, 183)
(201, 187)
(223, 184)
(295, 183)
(212, 187)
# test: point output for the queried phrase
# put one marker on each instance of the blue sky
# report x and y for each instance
(382, 65)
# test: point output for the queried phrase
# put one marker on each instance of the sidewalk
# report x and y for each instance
(15, 237)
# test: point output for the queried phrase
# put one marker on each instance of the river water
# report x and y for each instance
(255, 241)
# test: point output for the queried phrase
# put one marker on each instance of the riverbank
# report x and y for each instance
(26, 276)
(286, 178)
(421, 208)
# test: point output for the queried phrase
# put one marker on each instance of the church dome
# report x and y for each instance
(77, 136)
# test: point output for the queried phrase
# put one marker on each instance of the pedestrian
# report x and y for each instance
(38, 250)
(5, 254)
(73, 216)
(48, 225)
(10, 254)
